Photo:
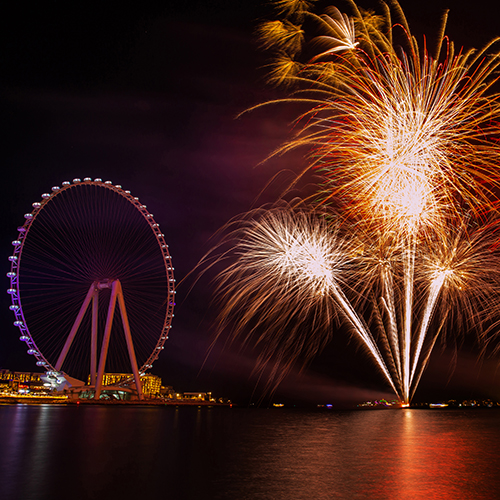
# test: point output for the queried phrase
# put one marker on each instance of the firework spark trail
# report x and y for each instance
(465, 260)
(409, 270)
(388, 131)
(406, 146)
(363, 333)
(434, 291)
(341, 33)
(295, 256)
(388, 302)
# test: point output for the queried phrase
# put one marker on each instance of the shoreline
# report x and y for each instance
(37, 400)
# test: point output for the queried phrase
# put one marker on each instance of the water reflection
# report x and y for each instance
(410, 454)
(183, 453)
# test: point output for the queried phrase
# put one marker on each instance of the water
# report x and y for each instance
(86, 452)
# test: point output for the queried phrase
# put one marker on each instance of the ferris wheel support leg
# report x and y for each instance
(75, 327)
(130, 344)
(105, 340)
(93, 342)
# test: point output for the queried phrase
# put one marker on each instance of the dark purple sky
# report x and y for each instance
(146, 96)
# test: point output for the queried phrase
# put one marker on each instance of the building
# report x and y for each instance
(198, 396)
(151, 384)
(22, 382)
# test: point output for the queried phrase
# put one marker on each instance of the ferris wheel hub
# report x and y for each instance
(101, 285)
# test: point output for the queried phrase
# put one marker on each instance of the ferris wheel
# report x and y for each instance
(88, 253)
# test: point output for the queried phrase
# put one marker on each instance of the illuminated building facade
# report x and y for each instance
(198, 396)
(151, 384)
(21, 382)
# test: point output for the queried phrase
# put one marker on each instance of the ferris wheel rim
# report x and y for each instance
(16, 257)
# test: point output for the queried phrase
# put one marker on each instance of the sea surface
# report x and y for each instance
(99, 452)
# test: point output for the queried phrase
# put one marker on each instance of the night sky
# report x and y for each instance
(146, 94)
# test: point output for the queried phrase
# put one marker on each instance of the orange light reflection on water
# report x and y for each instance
(384, 454)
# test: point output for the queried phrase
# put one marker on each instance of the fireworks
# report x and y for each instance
(405, 142)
